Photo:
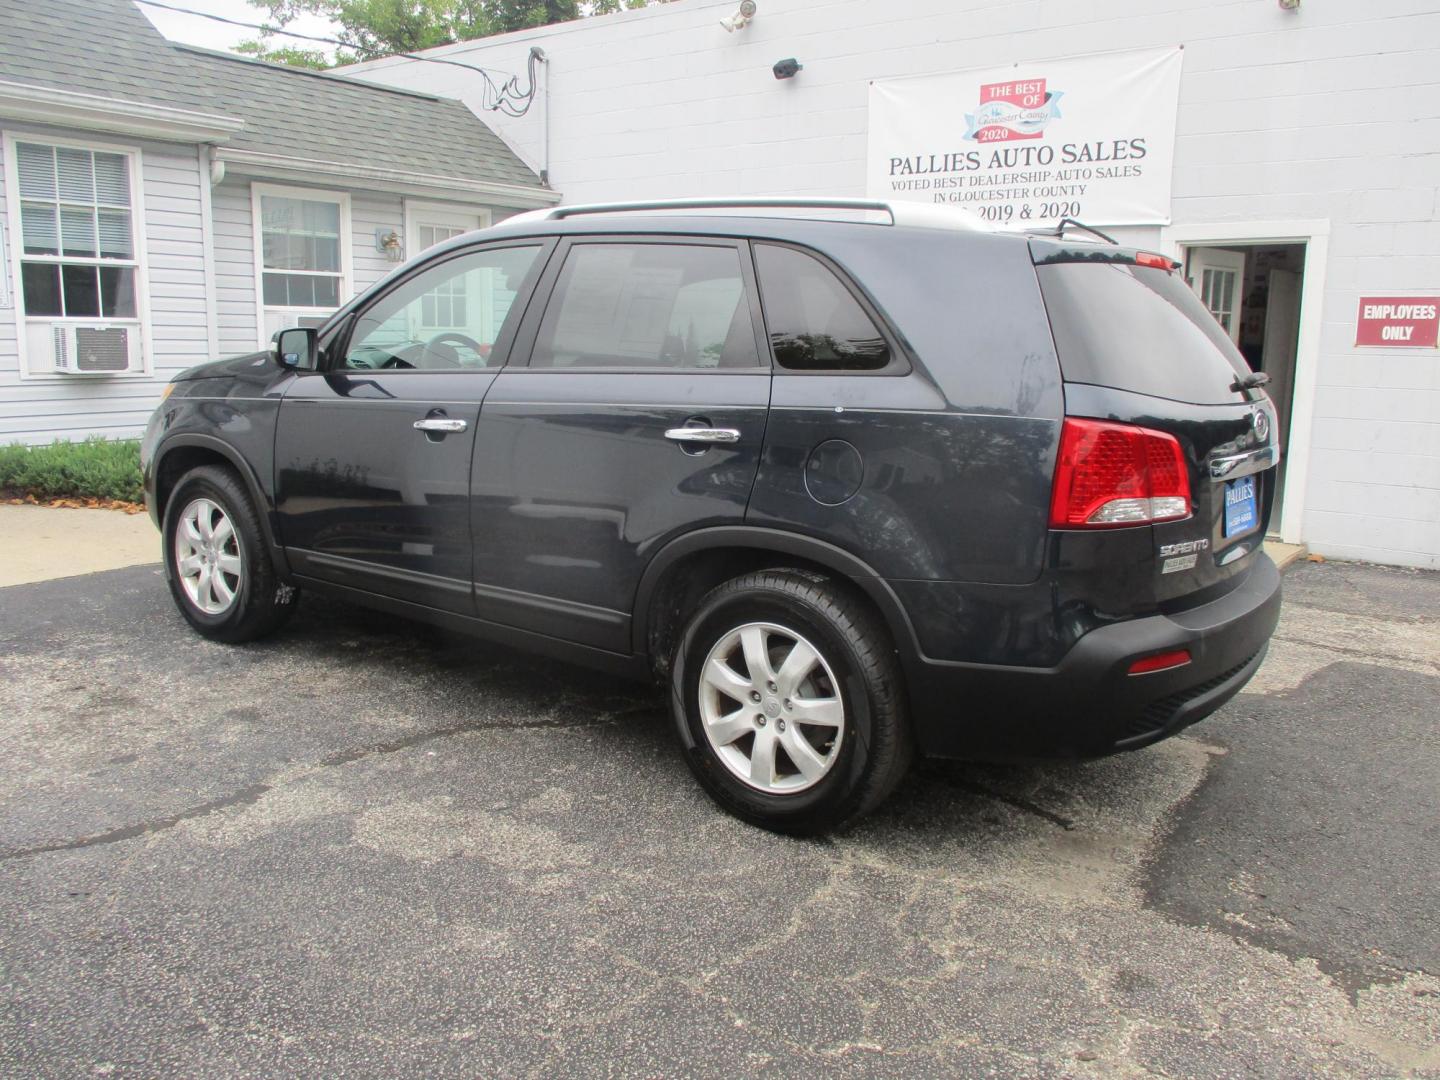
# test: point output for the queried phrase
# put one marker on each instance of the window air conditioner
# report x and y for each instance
(96, 348)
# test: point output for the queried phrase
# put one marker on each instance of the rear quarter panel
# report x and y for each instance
(955, 456)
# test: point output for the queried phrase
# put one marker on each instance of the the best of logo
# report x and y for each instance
(1013, 110)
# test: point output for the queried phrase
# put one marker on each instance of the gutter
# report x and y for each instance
(255, 163)
(68, 108)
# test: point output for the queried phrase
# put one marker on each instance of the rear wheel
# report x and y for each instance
(788, 700)
(216, 560)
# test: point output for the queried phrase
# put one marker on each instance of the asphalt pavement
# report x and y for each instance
(364, 847)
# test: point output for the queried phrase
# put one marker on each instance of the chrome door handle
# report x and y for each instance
(703, 434)
(439, 423)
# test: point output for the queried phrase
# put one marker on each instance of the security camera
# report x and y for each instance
(741, 18)
(786, 69)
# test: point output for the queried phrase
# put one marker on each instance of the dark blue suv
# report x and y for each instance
(857, 481)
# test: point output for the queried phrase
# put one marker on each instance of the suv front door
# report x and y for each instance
(372, 454)
(640, 416)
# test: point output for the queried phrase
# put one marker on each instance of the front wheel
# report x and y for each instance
(216, 560)
(788, 700)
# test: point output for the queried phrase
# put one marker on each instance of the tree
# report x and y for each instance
(368, 29)
(291, 56)
(609, 7)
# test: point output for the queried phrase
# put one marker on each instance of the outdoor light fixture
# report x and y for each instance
(389, 243)
(787, 68)
(741, 18)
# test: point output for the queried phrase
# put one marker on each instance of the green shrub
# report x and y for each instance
(94, 469)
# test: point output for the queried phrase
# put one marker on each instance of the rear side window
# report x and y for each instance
(815, 323)
(1140, 329)
(648, 306)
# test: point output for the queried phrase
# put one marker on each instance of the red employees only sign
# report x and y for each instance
(1399, 321)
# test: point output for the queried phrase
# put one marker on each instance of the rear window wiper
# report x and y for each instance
(1253, 381)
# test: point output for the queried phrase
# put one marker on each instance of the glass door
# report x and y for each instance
(1218, 277)
(460, 303)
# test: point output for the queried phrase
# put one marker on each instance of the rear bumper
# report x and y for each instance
(1089, 705)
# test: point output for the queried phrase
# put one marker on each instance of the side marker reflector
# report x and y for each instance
(1160, 662)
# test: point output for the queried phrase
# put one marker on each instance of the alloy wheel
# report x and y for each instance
(771, 708)
(207, 556)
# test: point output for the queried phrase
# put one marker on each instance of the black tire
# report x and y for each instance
(262, 602)
(875, 748)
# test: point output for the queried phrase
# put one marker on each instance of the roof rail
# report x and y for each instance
(919, 215)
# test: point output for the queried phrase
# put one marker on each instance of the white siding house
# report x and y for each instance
(168, 229)
(160, 205)
(1307, 151)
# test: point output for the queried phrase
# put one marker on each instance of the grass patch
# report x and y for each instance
(94, 469)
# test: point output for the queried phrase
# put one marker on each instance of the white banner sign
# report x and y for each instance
(1091, 138)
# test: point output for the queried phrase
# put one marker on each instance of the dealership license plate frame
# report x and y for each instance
(1242, 515)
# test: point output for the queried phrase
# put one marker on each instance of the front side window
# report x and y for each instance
(815, 323)
(302, 257)
(448, 316)
(648, 306)
(77, 227)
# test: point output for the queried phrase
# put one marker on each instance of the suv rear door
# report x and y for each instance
(1137, 346)
(583, 465)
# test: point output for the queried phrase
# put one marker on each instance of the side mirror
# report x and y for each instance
(296, 348)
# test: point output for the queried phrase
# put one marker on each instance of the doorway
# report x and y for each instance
(1254, 291)
(427, 224)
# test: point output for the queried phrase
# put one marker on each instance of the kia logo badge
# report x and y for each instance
(1262, 425)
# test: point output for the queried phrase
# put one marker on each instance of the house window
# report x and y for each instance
(77, 248)
(78, 244)
(303, 245)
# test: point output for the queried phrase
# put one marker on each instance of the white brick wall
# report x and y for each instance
(1326, 113)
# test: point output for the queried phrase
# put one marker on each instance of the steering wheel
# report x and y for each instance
(453, 338)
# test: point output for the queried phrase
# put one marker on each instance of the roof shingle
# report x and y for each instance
(305, 114)
(108, 48)
(103, 47)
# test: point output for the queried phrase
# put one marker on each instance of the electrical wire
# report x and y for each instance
(505, 97)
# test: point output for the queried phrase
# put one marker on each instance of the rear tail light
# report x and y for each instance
(1108, 475)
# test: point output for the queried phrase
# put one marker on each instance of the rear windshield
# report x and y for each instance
(1140, 329)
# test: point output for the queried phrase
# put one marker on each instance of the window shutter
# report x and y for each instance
(36, 166)
(77, 231)
(75, 174)
(38, 229)
(112, 180)
(115, 234)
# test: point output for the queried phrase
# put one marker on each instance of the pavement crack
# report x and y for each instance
(345, 757)
(246, 796)
(1370, 656)
(1015, 801)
